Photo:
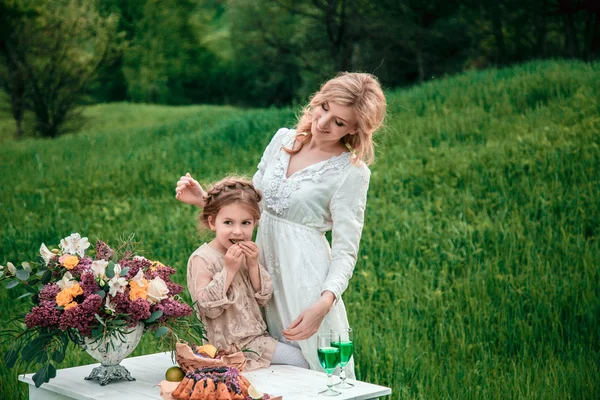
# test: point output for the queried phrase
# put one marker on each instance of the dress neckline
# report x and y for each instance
(322, 162)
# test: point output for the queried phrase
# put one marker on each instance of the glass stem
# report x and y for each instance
(343, 374)
(329, 381)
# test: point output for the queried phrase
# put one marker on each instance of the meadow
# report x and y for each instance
(477, 276)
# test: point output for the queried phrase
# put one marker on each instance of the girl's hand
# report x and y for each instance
(250, 250)
(189, 191)
(309, 321)
(234, 258)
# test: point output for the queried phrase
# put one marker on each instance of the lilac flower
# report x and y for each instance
(88, 284)
(82, 317)
(139, 309)
(121, 303)
(174, 288)
(49, 292)
(44, 316)
(103, 252)
(173, 309)
(135, 264)
(85, 265)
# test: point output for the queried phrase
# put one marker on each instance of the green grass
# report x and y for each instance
(478, 270)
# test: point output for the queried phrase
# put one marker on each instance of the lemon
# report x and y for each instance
(174, 374)
(254, 392)
(207, 349)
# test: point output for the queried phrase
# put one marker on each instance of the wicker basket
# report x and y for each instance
(189, 361)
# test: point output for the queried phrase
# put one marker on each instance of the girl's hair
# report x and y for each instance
(228, 191)
(359, 91)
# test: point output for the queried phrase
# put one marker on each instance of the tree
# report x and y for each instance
(56, 53)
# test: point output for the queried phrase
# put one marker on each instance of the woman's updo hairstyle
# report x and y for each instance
(228, 191)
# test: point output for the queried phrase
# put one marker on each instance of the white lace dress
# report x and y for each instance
(297, 211)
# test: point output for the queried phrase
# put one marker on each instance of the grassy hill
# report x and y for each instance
(478, 270)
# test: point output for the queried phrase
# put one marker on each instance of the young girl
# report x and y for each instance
(228, 283)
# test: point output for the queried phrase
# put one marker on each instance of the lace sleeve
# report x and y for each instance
(207, 289)
(266, 287)
(347, 210)
(270, 151)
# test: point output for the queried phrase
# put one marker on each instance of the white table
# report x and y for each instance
(292, 383)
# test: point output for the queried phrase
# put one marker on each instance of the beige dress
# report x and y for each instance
(233, 319)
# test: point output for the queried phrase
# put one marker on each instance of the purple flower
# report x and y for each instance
(44, 316)
(82, 317)
(103, 252)
(173, 309)
(49, 292)
(121, 302)
(174, 288)
(139, 309)
(88, 284)
(135, 264)
(84, 266)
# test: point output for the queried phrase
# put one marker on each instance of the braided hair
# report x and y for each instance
(227, 191)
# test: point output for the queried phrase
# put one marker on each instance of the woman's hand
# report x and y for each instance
(251, 252)
(309, 321)
(189, 191)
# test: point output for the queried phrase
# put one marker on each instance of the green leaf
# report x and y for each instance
(44, 374)
(22, 274)
(124, 271)
(110, 270)
(101, 293)
(99, 319)
(162, 331)
(11, 357)
(46, 276)
(12, 284)
(51, 371)
(154, 316)
(25, 295)
(31, 289)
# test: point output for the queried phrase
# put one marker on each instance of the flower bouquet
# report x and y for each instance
(103, 302)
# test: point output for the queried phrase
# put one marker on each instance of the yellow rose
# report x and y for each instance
(69, 262)
(64, 297)
(75, 290)
(138, 292)
(71, 305)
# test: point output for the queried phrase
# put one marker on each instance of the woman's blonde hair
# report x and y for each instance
(227, 191)
(359, 91)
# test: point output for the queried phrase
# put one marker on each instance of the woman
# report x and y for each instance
(314, 179)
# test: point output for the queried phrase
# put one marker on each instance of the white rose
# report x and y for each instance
(99, 268)
(45, 253)
(66, 281)
(157, 290)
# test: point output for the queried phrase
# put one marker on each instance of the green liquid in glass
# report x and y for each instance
(329, 357)
(346, 349)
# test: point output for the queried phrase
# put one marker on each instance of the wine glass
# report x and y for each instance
(329, 357)
(346, 346)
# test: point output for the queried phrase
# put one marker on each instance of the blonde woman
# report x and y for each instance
(314, 179)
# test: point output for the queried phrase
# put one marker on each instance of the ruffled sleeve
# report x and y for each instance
(270, 151)
(347, 211)
(266, 287)
(211, 299)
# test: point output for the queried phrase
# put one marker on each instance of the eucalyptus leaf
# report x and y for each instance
(101, 293)
(12, 284)
(31, 289)
(22, 274)
(46, 276)
(51, 371)
(162, 331)
(124, 271)
(25, 295)
(154, 316)
(110, 270)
